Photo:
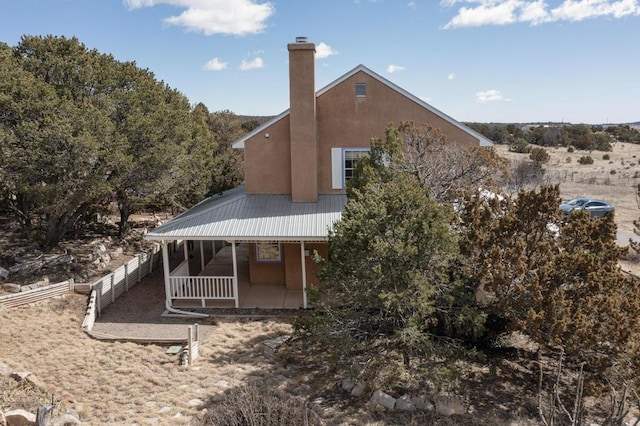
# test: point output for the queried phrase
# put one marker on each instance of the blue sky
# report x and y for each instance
(476, 60)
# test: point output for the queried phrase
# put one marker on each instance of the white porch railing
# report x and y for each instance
(202, 288)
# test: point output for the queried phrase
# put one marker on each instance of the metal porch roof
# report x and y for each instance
(235, 215)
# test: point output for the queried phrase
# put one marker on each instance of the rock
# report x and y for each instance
(195, 402)
(381, 398)
(448, 405)
(5, 370)
(101, 249)
(358, 390)
(29, 377)
(42, 283)
(11, 288)
(4, 273)
(404, 404)
(20, 418)
(348, 384)
(3, 421)
(20, 375)
(119, 251)
(422, 403)
(271, 346)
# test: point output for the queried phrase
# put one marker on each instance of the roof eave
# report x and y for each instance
(239, 144)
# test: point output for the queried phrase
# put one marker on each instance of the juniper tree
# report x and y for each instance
(388, 282)
(555, 279)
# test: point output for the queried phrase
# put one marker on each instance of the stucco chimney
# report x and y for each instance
(302, 121)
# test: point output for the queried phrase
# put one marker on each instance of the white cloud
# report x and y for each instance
(215, 65)
(411, 5)
(489, 96)
(235, 17)
(451, 76)
(251, 65)
(323, 50)
(395, 68)
(502, 12)
(488, 13)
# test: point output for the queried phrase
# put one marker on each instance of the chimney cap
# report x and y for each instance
(301, 39)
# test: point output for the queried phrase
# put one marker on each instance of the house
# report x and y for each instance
(296, 166)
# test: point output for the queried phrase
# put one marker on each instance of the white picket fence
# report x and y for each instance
(107, 289)
(36, 295)
(202, 288)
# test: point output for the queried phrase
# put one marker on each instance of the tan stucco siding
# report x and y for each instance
(345, 120)
(289, 271)
(268, 160)
(293, 265)
(265, 273)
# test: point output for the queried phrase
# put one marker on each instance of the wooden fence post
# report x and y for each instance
(113, 288)
(153, 252)
(139, 267)
(99, 297)
(126, 276)
(194, 343)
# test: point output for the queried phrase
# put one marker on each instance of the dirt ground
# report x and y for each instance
(108, 382)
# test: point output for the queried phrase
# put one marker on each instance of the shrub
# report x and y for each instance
(520, 145)
(606, 157)
(567, 160)
(249, 405)
(613, 172)
(539, 155)
(570, 149)
(585, 159)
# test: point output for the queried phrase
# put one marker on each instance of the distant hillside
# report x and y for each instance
(257, 118)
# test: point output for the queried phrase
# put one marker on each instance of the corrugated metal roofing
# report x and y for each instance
(235, 215)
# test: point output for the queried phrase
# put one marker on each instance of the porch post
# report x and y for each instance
(185, 248)
(235, 273)
(201, 255)
(165, 267)
(304, 276)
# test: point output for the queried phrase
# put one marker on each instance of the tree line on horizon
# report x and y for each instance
(579, 136)
(81, 131)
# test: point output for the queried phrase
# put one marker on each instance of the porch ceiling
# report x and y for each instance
(237, 216)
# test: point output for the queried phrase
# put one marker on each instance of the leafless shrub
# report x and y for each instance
(522, 175)
(249, 405)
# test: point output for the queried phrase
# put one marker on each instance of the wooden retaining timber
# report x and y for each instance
(36, 295)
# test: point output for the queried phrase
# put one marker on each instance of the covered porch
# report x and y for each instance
(255, 251)
(220, 266)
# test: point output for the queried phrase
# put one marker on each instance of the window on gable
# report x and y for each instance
(268, 252)
(343, 163)
(361, 90)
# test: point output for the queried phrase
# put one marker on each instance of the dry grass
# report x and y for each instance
(127, 383)
(614, 179)
(595, 180)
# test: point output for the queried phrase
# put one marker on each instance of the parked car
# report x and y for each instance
(596, 208)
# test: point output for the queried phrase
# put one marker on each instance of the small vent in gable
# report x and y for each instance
(361, 90)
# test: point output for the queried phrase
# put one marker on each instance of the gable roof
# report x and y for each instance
(239, 144)
(234, 215)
